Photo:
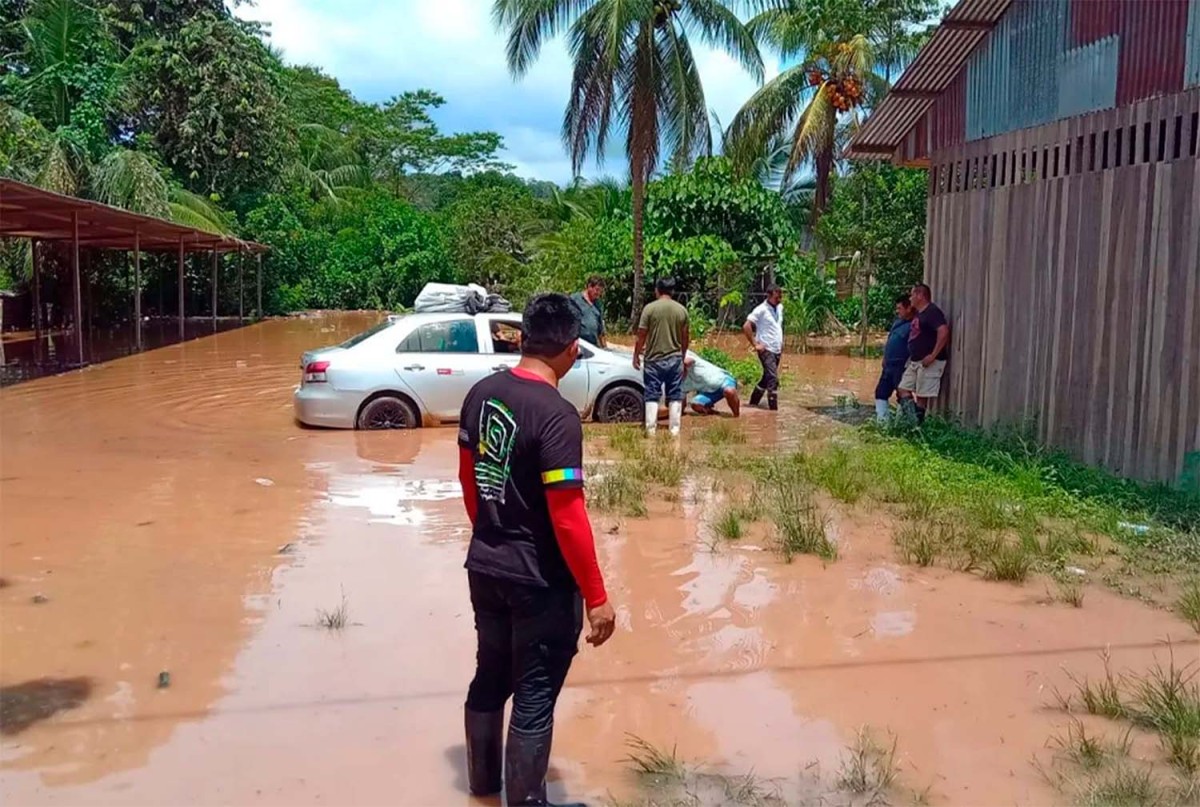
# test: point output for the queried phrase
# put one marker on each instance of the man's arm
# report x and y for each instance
(603, 334)
(685, 337)
(751, 336)
(466, 477)
(638, 347)
(561, 463)
(943, 339)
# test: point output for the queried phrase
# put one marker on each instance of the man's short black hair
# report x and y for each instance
(595, 281)
(549, 326)
(665, 285)
(904, 300)
(921, 287)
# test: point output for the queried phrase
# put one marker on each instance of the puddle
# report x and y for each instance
(158, 551)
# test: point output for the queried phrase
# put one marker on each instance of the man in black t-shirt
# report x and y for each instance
(928, 352)
(531, 555)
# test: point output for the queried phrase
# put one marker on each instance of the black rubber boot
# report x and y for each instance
(772, 402)
(485, 756)
(756, 396)
(526, 760)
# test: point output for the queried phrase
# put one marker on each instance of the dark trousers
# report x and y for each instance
(527, 637)
(889, 380)
(770, 378)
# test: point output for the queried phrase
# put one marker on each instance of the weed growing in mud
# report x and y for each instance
(1009, 562)
(626, 441)
(617, 489)
(648, 760)
(1167, 700)
(1188, 604)
(1070, 589)
(838, 473)
(917, 544)
(337, 619)
(869, 767)
(1123, 785)
(728, 524)
(722, 433)
(1089, 751)
(801, 530)
(1102, 697)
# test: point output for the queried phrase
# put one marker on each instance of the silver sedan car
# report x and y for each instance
(416, 369)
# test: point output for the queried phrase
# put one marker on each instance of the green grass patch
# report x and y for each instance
(617, 488)
(869, 767)
(723, 433)
(1188, 604)
(728, 525)
(838, 472)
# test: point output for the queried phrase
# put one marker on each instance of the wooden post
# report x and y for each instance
(241, 286)
(37, 293)
(137, 288)
(260, 308)
(181, 288)
(214, 288)
(78, 290)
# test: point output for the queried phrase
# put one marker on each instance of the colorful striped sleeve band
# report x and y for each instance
(560, 475)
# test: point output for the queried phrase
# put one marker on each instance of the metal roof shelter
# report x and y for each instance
(40, 215)
(936, 66)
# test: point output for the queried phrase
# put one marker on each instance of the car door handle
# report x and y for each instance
(414, 367)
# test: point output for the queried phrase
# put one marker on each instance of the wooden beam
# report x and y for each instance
(260, 263)
(37, 293)
(241, 285)
(137, 289)
(180, 288)
(214, 289)
(78, 295)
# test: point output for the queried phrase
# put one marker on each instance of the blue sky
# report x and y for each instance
(379, 49)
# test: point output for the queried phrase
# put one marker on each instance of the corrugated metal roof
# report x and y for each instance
(936, 66)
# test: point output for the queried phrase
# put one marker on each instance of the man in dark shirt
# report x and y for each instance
(591, 315)
(928, 352)
(895, 357)
(531, 553)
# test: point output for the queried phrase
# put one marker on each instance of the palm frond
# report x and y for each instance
(131, 180)
(813, 134)
(530, 24)
(64, 166)
(721, 28)
(681, 104)
(193, 210)
(771, 110)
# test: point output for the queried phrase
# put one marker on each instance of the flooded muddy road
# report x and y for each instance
(163, 514)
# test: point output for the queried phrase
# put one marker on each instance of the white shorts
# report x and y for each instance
(922, 381)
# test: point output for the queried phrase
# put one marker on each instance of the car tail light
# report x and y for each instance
(314, 373)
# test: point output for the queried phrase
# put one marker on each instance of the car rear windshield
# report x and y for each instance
(367, 334)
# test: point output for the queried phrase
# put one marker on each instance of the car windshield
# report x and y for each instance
(367, 334)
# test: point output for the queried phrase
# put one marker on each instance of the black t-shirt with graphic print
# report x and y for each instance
(922, 336)
(525, 438)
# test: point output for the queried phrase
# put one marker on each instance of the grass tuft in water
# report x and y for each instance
(1070, 589)
(869, 767)
(1122, 785)
(1188, 604)
(918, 544)
(728, 524)
(1167, 700)
(837, 472)
(723, 433)
(617, 489)
(336, 619)
(1101, 697)
(1089, 751)
(1008, 562)
(650, 761)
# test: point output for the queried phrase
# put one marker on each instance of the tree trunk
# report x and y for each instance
(824, 166)
(639, 207)
(866, 286)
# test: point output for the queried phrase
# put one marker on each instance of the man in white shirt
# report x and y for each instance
(764, 330)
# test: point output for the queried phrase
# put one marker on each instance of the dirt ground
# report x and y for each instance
(162, 513)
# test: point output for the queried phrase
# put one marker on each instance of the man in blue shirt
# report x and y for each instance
(895, 357)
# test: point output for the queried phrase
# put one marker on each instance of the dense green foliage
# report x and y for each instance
(179, 109)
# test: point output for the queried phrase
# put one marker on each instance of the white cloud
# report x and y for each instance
(377, 50)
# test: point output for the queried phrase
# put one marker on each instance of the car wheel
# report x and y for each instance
(388, 412)
(620, 405)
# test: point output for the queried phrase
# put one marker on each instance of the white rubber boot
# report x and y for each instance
(651, 419)
(882, 411)
(675, 410)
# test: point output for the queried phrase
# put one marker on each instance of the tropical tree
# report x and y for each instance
(634, 71)
(845, 53)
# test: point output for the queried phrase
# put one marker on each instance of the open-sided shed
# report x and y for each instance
(40, 215)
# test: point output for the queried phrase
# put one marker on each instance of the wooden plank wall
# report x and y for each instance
(1067, 258)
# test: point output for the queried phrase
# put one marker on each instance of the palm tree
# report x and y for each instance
(802, 104)
(633, 69)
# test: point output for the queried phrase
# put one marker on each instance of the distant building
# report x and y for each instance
(1064, 218)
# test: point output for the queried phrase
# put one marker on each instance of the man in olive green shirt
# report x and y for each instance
(663, 337)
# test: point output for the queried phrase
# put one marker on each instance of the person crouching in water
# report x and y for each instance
(895, 357)
(531, 554)
(710, 384)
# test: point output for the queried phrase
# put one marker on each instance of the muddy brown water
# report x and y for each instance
(169, 516)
